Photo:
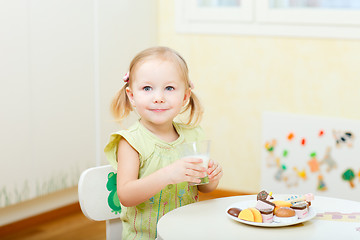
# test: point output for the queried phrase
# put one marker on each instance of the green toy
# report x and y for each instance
(113, 199)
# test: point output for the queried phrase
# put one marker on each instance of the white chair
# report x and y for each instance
(98, 199)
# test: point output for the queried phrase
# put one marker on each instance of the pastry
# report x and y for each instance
(263, 195)
(296, 198)
(301, 209)
(251, 215)
(257, 215)
(267, 215)
(285, 215)
(234, 212)
(246, 215)
(264, 204)
(285, 212)
(280, 203)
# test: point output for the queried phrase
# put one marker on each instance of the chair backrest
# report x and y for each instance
(97, 193)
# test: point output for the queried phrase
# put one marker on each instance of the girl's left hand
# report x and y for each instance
(214, 171)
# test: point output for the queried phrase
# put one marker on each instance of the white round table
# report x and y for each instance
(336, 218)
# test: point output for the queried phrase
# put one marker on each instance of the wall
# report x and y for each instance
(239, 77)
(61, 62)
(125, 28)
(47, 85)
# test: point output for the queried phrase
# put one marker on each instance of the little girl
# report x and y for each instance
(151, 180)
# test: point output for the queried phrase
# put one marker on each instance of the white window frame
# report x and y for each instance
(222, 14)
(306, 15)
(256, 17)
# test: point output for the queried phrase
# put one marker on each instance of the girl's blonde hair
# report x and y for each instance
(121, 106)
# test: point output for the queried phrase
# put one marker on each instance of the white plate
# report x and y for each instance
(247, 204)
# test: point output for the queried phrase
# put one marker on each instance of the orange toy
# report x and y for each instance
(251, 215)
(280, 203)
(247, 215)
(257, 215)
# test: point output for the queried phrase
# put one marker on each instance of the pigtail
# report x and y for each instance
(196, 110)
(120, 105)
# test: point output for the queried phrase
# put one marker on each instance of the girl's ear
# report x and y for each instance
(130, 95)
(187, 96)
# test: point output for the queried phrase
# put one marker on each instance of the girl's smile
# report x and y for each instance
(158, 110)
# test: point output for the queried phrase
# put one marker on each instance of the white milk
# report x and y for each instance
(205, 164)
(205, 160)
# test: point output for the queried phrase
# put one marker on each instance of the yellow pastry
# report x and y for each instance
(257, 215)
(246, 215)
(280, 203)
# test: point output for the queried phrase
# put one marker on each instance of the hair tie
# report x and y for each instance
(126, 77)
(191, 84)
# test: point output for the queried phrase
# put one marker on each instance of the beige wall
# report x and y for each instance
(60, 67)
(239, 77)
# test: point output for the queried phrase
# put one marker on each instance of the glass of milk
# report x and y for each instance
(199, 149)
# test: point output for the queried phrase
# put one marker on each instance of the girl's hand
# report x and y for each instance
(185, 170)
(214, 171)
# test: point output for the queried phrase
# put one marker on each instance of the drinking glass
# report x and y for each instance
(199, 149)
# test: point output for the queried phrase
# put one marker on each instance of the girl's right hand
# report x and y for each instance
(185, 170)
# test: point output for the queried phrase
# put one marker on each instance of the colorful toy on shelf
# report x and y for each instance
(321, 183)
(343, 138)
(301, 174)
(349, 176)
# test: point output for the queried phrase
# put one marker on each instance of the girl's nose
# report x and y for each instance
(158, 98)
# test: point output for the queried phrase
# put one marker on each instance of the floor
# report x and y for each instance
(73, 226)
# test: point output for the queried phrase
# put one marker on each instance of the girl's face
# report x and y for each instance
(158, 92)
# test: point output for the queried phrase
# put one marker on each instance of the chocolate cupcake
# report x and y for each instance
(267, 215)
(301, 209)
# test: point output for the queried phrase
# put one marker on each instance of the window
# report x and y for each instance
(301, 18)
(317, 12)
(217, 10)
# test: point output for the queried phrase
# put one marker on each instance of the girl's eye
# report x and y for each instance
(169, 88)
(147, 88)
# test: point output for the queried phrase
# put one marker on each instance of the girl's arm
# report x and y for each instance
(215, 173)
(133, 191)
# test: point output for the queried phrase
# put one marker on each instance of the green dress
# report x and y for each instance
(140, 222)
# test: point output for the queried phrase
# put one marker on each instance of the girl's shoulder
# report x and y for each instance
(191, 133)
(132, 135)
(128, 134)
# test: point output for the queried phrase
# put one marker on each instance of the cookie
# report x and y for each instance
(234, 212)
(262, 195)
